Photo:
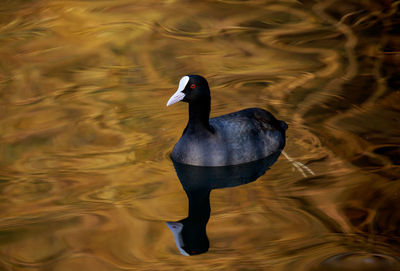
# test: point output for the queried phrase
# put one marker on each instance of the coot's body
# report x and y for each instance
(236, 138)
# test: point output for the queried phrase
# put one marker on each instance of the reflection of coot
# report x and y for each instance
(190, 233)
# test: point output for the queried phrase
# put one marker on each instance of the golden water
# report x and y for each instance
(85, 178)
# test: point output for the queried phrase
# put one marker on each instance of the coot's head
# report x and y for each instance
(191, 89)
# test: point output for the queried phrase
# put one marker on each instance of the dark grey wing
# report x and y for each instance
(249, 134)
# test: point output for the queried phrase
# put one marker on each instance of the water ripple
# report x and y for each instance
(85, 177)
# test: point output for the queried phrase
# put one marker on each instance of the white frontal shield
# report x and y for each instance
(179, 95)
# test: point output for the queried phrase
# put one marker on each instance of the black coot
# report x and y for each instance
(236, 138)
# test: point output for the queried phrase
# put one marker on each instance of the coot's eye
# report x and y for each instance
(192, 86)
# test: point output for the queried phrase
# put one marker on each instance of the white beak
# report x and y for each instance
(179, 95)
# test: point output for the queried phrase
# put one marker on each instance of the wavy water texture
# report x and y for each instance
(85, 177)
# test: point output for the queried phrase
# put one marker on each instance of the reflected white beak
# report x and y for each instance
(179, 95)
(176, 228)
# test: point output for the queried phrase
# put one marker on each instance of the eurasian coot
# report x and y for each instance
(236, 138)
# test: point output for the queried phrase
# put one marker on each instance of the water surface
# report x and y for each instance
(85, 176)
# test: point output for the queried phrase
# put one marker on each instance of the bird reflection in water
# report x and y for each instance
(190, 233)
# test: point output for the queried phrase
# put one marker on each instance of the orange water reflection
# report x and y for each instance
(85, 178)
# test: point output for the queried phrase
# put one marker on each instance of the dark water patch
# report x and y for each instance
(393, 152)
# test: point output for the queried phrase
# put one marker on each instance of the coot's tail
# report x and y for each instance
(283, 125)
